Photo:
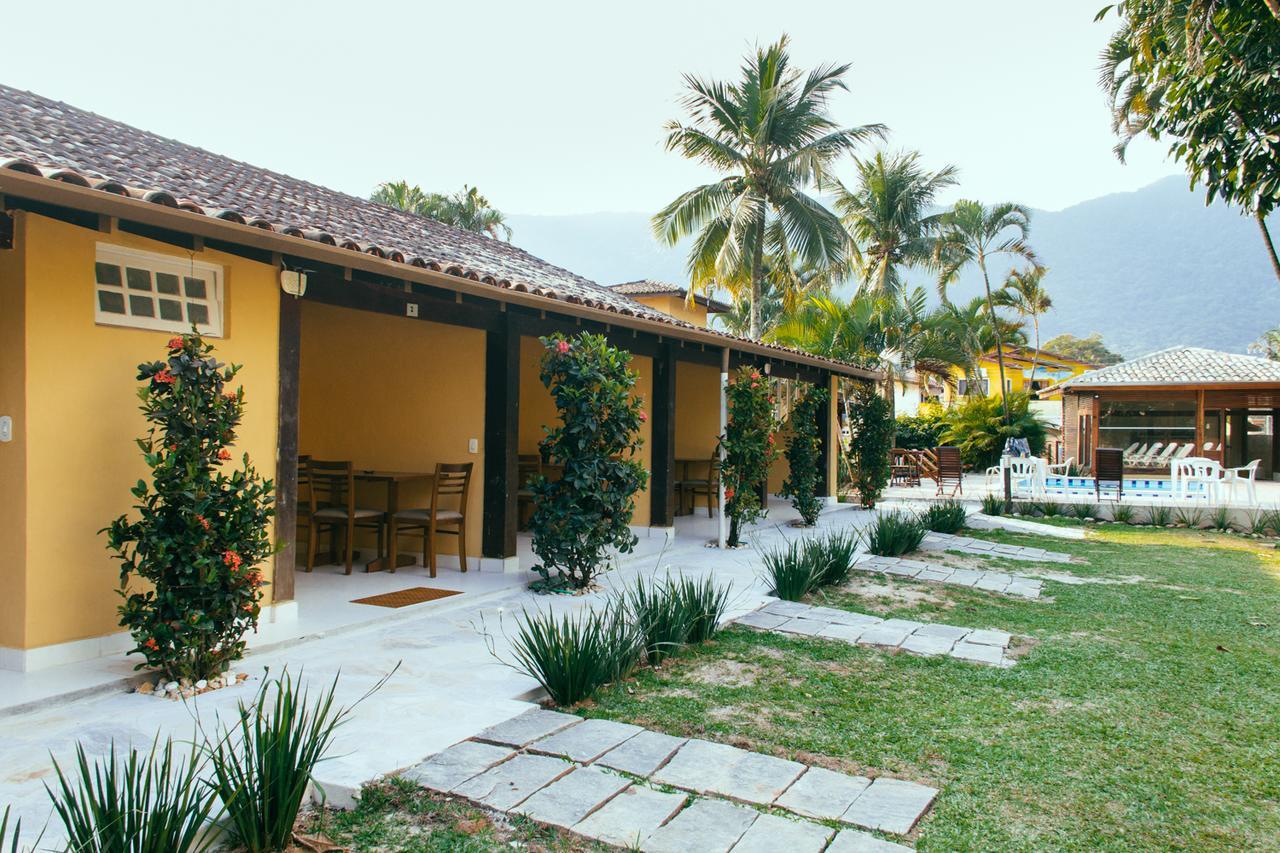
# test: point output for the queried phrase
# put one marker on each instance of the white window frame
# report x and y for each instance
(153, 262)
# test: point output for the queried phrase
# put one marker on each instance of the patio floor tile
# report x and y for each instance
(509, 784)
(806, 627)
(631, 817)
(586, 741)
(988, 637)
(823, 794)
(762, 619)
(772, 833)
(642, 754)
(891, 805)
(571, 798)
(924, 644)
(856, 841)
(980, 654)
(525, 729)
(708, 826)
(447, 770)
(786, 608)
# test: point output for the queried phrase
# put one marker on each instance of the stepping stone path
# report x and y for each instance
(930, 639)
(522, 766)
(990, 580)
(934, 541)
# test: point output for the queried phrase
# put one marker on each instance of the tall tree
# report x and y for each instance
(771, 137)
(971, 234)
(969, 327)
(466, 209)
(888, 216)
(1203, 73)
(1024, 292)
(1090, 350)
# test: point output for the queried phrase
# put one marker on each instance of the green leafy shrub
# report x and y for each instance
(1160, 516)
(263, 765)
(201, 531)
(871, 428)
(919, 432)
(573, 656)
(1084, 510)
(660, 615)
(894, 533)
(832, 556)
(804, 458)
(577, 517)
(749, 449)
(793, 571)
(1220, 519)
(1122, 514)
(1025, 508)
(945, 516)
(152, 803)
(706, 603)
(992, 505)
(976, 425)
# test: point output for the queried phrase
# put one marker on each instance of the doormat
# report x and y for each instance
(405, 597)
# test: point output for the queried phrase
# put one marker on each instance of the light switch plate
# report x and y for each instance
(6, 428)
(473, 446)
(411, 309)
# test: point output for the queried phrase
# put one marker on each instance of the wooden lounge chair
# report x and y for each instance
(950, 470)
(1108, 470)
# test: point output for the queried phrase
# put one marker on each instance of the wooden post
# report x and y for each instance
(826, 440)
(1199, 448)
(722, 529)
(662, 486)
(287, 447)
(501, 439)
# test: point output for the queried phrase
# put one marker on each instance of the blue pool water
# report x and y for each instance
(1136, 485)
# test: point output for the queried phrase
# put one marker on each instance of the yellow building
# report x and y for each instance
(673, 299)
(1050, 369)
(365, 333)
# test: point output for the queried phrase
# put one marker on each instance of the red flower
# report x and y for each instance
(175, 343)
(771, 439)
(247, 608)
(151, 644)
(643, 416)
(232, 559)
(204, 522)
(755, 384)
(224, 454)
(164, 377)
(728, 494)
(754, 375)
(255, 578)
(230, 396)
(562, 347)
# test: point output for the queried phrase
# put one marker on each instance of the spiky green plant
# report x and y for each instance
(148, 803)
(833, 556)
(945, 516)
(574, 655)
(1272, 521)
(792, 571)
(1048, 508)
(706, 603)
(894, 533)
(263, 763)
(993, 505)
(1160, 516)
(1189, 516)
(11, 842)
(1220, 519)
(1122, 514)
(1084, 511)
(659, 614)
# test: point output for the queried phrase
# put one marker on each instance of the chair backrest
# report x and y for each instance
(528, 466)
(330, 483)
(1129, 450)
(1108, 465)
(950, 466)
(1184, 451)
(1251, 470)
(1199, 466)
(1025, 466)
(452, 480)
(1168, 451)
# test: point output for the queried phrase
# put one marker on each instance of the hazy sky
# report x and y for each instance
(558, 107)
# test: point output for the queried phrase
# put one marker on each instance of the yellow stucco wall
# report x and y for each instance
(678, 307)
(697, 410)
(82, 416)
(1016, 369)
(13, 454)
(393, 393)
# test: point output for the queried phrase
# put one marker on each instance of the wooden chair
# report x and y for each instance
(451, 481)
(904, 470)
(331, 503)
(1108, 468)
(950, 470)
(302, 499)
(708, 487)
(528, 468)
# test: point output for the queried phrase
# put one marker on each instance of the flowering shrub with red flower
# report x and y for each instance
(587, 510)
(200, 529)
(804, 454)
(749, 449)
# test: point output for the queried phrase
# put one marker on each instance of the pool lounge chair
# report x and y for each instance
(1144, 460)
(1165, 455)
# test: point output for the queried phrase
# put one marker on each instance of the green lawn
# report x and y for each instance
(1143, 715)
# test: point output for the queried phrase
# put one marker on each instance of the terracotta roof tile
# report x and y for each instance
(1181, 366)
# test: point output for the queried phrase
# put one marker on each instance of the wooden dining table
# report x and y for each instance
(391, 480)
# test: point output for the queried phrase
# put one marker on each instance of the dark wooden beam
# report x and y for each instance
(501, 438)
(826, 441)
(394, 301)
(662, 485)
(287, 448)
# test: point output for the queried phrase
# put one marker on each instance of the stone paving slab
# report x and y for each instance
(524, 729)
(586, 741)
(823, 794)
(462, 761)
(715, 768)
(990, 581)
(891, 805)
(772, 833)
(854, 841)
(631, 816)
(762, 619)
(511, 783)
(569, 799)
(969, 545)
(986, 647)
(642, 754)
(707, 826)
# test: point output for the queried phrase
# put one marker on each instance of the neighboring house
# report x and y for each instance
(1050, 369)
(673, 300)
(1199, 402)
(412, 343)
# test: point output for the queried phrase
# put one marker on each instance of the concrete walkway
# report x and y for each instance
(990, 580)
(605, 780)
(920, 638)
(934, 541)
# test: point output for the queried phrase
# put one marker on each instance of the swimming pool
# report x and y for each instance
(1135, 486)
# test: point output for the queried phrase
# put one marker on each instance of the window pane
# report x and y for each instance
(142, 306)
(198, 314)
(112, 303)
(108, 274)
(170, 309)
(195, 287)
(138, 279)
(167, 283)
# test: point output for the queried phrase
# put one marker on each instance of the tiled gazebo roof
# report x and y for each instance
(1185, 366)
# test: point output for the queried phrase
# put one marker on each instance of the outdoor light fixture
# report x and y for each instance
(293, 282)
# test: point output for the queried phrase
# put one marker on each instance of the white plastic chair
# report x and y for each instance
(1184, 451)
(1165, 455)
(1196, 469)
(1144, 460)
(1245, 474)
(1062, 468)
(1131, 457)
(1027, 472)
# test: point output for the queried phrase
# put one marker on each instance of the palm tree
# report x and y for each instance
(1024, 292)
(770, 135)
(888, 217)
(969, 329)
(466, 209)
(972, 233)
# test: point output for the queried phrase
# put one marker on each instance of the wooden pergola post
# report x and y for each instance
(289, 363)
(662, 485)
(501, 439)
